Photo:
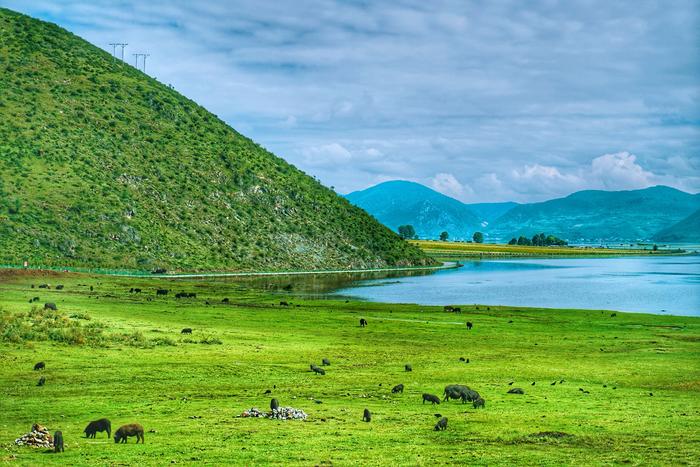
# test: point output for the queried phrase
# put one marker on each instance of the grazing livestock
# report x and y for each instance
(162, 292)
(431, 398)
(98, 425)
(408, 367)
(479, 403)
(59, 287)
(516, 391)
(457, 309)
(39, 366)
(533, 383)
(44, 286)
(318, 370)
(441, 424)
(284, 303)
(224, 300)
(366, 416)
(469, 325)
(58, 442)
(186, 331)
(459, 391)
(325, 362)
(42, 381)
(50, 306)
(133, 290)
(159, 271)
(35, 299)
(185, 295)
(396, 389)
(126, 431)
(448, 308)
(274, 404)
(363, 322)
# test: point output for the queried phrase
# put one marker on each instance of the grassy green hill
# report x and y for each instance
(687, 230)
(103, 166)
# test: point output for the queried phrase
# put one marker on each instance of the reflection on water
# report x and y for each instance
(646, 284)
(653, 284)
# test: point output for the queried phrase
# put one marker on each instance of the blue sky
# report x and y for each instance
(484, 101)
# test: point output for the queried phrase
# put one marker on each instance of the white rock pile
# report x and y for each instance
(39, 437)
(282, 413)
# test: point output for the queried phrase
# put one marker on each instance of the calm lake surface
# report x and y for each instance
(658, 284)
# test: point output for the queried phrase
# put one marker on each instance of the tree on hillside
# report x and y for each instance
(478, 237)
(444, 236)
(407, 231)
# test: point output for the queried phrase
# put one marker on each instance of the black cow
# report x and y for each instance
(59, 287)
(225, 300)
(366, 416)
(44, 286)
(186, 331)
(159, 271)
(39, 366)
(479, 403)
(408, 367)
(283, 303)
(274, 405)
(162, 292)
(58, 442)
(396, 389)
(441, 424)
(516, 391)
(318, 370)
(431, 398)
(98, 425)
(469, 325)
(325, 362)
(42, 381)
(363, 322)
(125, 431)
(50, 306)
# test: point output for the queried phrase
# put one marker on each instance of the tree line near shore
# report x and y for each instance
(408, 232)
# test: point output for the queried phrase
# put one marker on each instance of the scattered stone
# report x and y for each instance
(282, 413)
(39, 437)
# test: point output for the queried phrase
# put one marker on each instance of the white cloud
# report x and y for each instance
(326, 155)
(447, 184)
(619, 171)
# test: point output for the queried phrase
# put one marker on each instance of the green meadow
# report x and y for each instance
(630, 391)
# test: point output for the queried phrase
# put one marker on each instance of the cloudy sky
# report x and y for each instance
(483, 100)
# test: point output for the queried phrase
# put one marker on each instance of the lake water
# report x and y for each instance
(659, 284)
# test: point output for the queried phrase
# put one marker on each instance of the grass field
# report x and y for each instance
(460, 250)
(130, 363)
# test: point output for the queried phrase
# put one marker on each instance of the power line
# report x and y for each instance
(144, 61)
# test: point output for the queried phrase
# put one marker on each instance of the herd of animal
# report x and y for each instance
(97, 426)
(452, 391)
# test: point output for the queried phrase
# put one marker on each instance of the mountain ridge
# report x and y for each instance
(103, 166)
(586, 215)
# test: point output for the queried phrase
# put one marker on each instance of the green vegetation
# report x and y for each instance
(524, 247)
(102, 166)
(188, 395)
(538, 240)
(478, 237)
(444, 236)
(407, 231)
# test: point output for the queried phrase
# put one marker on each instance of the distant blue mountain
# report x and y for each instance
(591, 215)
(687, 230)
(594, 215)
(400, 202)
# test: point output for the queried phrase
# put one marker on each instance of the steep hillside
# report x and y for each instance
(687, 230)
(102, 166)
(489, 212)
(400, 202)
(596, 215)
